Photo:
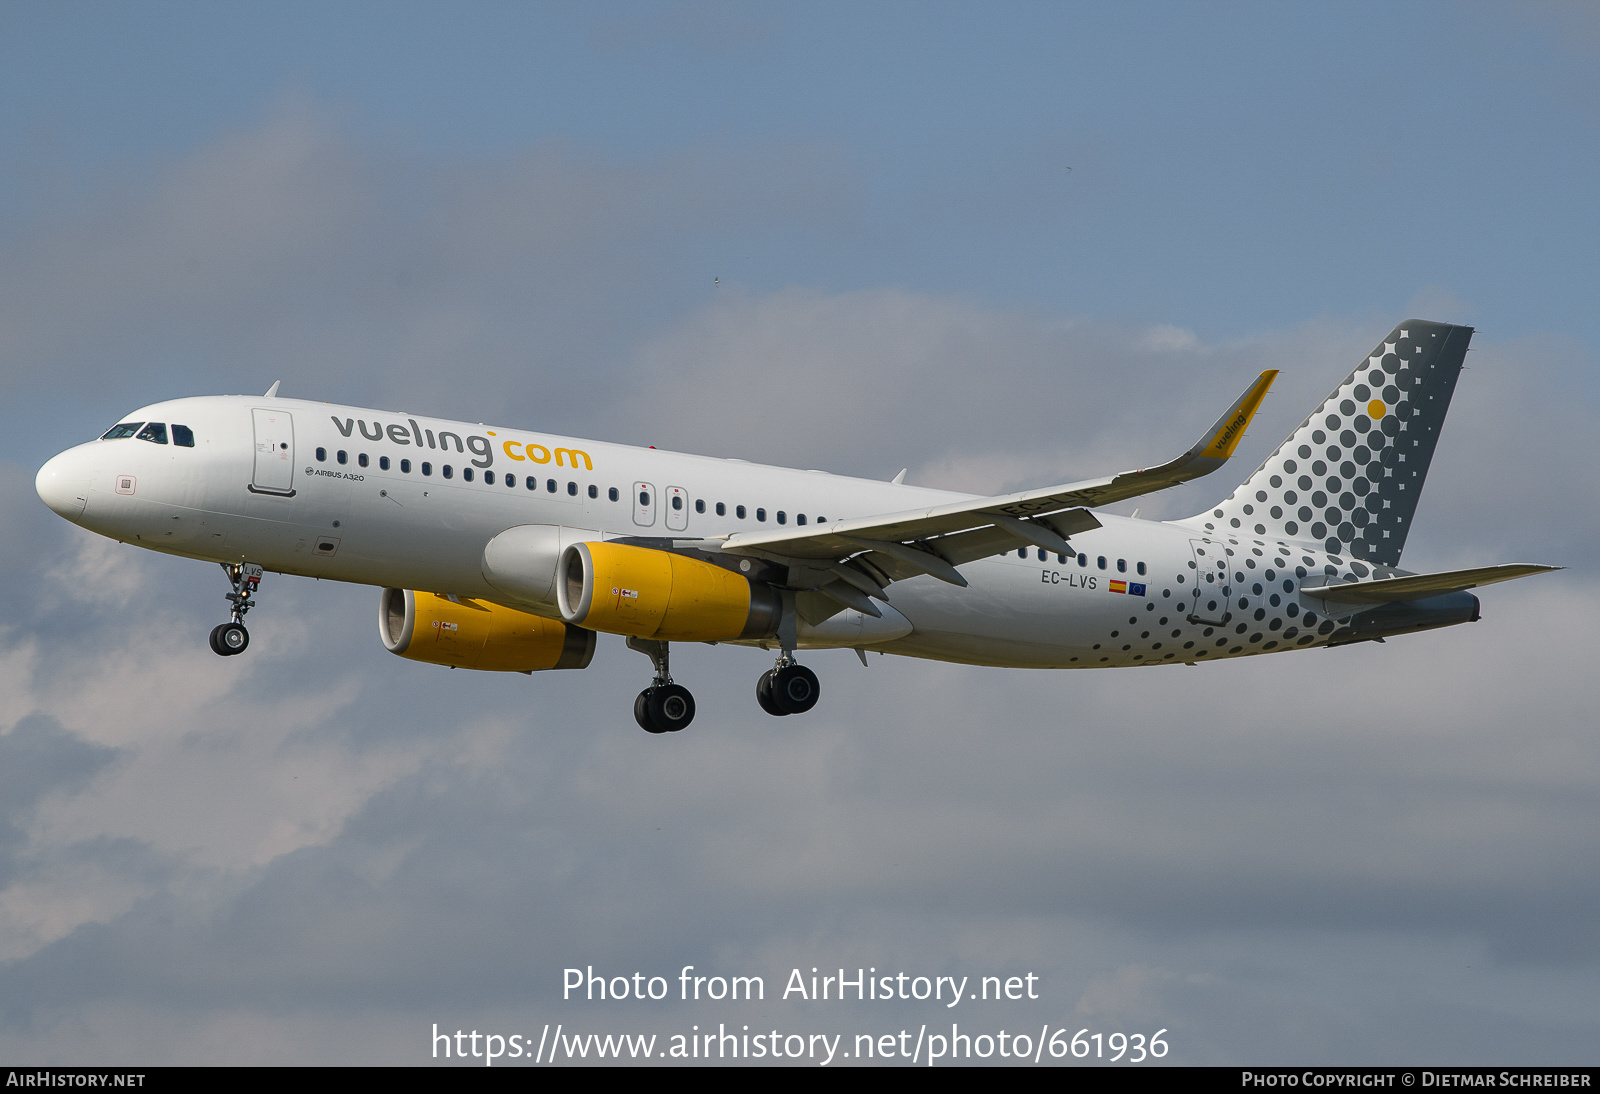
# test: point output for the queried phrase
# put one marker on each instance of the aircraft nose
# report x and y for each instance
(63, 483)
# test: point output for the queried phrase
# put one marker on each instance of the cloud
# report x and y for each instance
(289, 251)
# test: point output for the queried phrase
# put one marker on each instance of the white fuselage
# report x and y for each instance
(398, 500)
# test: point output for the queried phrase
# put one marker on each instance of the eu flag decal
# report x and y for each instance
(1119, 586)
(1135, 589)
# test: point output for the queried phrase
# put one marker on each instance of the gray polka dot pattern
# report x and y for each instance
(1347, 481)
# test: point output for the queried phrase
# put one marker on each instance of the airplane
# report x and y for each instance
(511, 550)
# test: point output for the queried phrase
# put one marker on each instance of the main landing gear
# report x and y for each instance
(663, 707)
(787, 688)
(230, 638)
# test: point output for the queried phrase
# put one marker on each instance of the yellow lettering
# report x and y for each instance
(508, 446)
(572, 455)
(529, 448)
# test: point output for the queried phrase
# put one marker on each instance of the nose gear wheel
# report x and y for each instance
(228, 639)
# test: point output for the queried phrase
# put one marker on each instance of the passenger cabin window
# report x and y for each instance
(677, 502)
(362, 459)
(800, 518)
(405, 467)
(341, 457)
(613, 495)
(1122, 565)
(118, 432)
(322, 455)
(722, 510)
(1042, 556)
(488, 478)
(511, 480)
(182, 436)
(427, 468)
(1140, 568)
(533, 483)
(572, 489)
(700, 505)
(594, 491)
(738, 511)
(1101, 562)
(783, 518)
(761, 514)
(644, 497)
(155, 433)
(1022, 552)
(550, 486)
(447, 471)
(1083, 560)
(466, 473)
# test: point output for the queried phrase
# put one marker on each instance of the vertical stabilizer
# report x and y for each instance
(1349, 477)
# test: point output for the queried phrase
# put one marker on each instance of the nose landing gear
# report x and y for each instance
(787, 688)
(663, 707)
(230, 638)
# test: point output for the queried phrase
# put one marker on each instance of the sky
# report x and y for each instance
(1000, 245)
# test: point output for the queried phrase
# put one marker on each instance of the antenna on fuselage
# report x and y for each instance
(273, 390)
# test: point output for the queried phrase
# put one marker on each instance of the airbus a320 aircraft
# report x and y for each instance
(509, 550)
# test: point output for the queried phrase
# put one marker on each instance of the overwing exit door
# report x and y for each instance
(644, 504)
(677, 500)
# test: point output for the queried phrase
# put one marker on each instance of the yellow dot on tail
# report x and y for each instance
(1376, 409)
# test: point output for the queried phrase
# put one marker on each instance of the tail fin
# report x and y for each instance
(1348, 479)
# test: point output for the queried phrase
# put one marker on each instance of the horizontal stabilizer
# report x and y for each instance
(1391, 590)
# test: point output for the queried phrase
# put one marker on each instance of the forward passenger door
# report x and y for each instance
(274, 463)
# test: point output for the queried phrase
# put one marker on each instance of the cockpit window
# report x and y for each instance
(117, 432)
(182, 436)
(155, 433)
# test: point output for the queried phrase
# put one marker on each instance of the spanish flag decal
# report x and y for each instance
(1119, 586)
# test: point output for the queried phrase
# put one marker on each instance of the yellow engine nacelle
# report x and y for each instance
(646, 593)
(475, 634)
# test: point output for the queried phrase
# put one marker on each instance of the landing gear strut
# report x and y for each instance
(787, 688)
(663, 707)
(230, 638)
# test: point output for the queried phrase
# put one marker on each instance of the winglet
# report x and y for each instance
(1223, 437)
(273, 390)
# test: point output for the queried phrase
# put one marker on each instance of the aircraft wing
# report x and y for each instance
(1392, 590)
(863, 555)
